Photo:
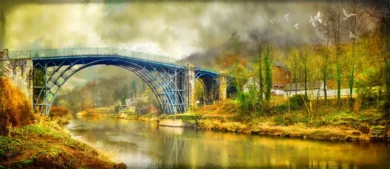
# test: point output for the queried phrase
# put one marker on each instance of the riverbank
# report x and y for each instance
(46, 145)
(330, 124)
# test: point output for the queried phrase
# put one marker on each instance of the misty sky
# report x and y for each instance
(174, 29)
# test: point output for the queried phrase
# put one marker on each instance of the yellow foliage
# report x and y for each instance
(59, 111)
(14, 106)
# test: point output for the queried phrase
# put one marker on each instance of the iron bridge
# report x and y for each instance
(172, 83)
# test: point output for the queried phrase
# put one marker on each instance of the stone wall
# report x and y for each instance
(20, 73)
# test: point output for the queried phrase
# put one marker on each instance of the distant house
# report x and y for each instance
(281, 76)
(299, 88)
(250, 84)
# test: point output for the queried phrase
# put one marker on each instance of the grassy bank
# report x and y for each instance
(329, 124)
(46, 145)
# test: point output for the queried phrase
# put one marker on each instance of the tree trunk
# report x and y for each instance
(260, 78)
(351, 82)
(305, 73)
(268, 74)
(338, 86)
(325, 92)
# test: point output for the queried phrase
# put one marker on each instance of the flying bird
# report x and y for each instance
(272, 21)
(318, 17)
(296, 26)
(312, 21)
(347, 15)
(286, 16)
(352, 36)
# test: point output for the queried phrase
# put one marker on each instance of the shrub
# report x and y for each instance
(14, 106)
(281, 108)
(58, 111)
(297, 101)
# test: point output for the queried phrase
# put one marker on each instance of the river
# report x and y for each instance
(147, 145)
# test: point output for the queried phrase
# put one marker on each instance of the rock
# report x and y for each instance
(364, 129)
(378, 133)
(355, 133)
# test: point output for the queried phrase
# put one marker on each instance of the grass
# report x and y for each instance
(328, 123)
(45, 145)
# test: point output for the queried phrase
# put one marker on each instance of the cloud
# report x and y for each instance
(52, 26)
(174, 29)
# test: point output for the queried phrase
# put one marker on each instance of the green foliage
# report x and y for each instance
(297, 101)
(39, 130)
(281, 108)
(26, 162)
(117, 108)
(268, 73)
(133, 92)
(124, 94)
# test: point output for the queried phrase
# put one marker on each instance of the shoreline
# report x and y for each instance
(300, 131)
(45, 144)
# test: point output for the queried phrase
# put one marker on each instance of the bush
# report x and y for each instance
(58, 111)
(14, 106)
(281, 108)
(297, 101)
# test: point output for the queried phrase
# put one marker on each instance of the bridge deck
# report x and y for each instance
(56, 56)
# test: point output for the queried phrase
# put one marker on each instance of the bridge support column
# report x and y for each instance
(223, 85)
(190, 83)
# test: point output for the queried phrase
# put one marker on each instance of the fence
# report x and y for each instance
(320, 93)
(87, 52)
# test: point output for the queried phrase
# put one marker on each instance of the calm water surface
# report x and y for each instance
(147, 145)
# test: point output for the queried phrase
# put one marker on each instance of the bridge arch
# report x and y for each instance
(210, 85)
(167, 84)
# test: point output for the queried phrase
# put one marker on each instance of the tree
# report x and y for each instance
(325, 29)
(381, 12)
(124, 94)
(356, 25)
(303, 56)
(259, 39)
(332, 29)
(133, 89)
(268, 72)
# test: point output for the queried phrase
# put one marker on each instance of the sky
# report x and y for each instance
(173, 29)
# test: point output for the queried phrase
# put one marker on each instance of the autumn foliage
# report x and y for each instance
(14, 106)
(59, 111)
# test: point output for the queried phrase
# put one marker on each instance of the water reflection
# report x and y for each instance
(147, 145)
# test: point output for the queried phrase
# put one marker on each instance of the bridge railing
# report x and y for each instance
(87, 52)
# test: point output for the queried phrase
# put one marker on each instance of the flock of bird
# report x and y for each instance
(317, 18)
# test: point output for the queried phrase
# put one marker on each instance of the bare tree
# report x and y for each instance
(260, 39)
(325, 29)
(332, 28)
(356, 26)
